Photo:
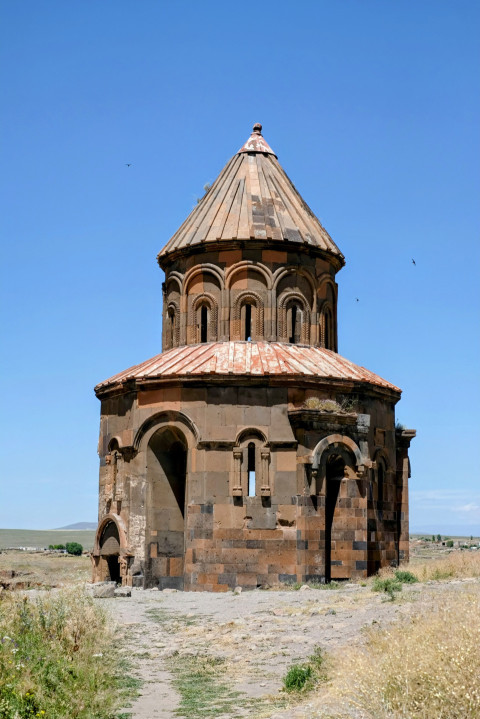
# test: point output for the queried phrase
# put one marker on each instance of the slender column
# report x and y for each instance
(265, 489)
(237, 472)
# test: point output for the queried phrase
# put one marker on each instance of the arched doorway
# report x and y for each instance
(335, 469)
(109, 545)
(166, 498)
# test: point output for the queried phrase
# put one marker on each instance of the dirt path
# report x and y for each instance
(250, 640)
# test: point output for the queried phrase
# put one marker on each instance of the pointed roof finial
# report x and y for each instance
(256, 142)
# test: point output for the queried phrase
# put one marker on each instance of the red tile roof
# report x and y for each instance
(250, 359)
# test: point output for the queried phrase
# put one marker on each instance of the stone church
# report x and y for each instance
(249, 452)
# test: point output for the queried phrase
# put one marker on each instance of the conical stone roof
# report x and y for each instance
(252, 199)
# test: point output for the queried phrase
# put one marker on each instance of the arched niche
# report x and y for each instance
(327, 313)
(203, 278)
(296, 280)
(110, 549)
(172, 325)
(247, 317)
(166, 498)
(326, 328)
(203, 318)
(248, 275)
(293, 318)
(171, 418)
(336, 460)
(381, 475)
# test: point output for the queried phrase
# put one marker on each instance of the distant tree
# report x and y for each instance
(74, 548)
(56, 546)
(433, 537)
(439, 537)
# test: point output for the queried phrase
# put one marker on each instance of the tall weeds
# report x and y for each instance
(427, 667)
(456, 565)
(57, 658)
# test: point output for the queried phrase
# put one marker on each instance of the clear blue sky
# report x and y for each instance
(373, 109)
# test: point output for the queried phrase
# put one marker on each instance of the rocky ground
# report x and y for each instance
(231, 652)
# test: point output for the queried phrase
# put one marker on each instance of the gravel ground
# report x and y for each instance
(258, 635)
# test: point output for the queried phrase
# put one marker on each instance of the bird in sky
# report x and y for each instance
(357, 300)
(414, 262)
(128, 164)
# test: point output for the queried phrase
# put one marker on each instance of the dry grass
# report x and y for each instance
(456, 565)
(426, 667)
(43, 570)
(459, 564)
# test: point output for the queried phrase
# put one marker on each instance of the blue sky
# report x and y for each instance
(373, 109)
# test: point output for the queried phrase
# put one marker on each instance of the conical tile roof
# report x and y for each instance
(252, 199)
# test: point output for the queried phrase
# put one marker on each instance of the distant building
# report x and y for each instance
(249, 452)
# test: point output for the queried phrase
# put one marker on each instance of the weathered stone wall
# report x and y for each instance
(272, 282)
(284, 532)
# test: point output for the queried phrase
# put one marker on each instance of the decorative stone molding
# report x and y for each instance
(292, 296)
(237, 490)
(265, 489)
(208, 300)
(206, 269)
(173, 311)
(248, 265)
(327, 323)
(253, 298)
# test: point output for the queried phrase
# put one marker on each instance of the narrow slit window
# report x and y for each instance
(204, 324)
(294, 324)
(171, 315)
(251, 469)
(327, 329)
(381, 480)
(248, 323)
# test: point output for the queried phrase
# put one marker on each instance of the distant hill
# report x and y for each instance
(80, 525)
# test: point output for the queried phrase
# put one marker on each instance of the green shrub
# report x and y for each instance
(56, 546)
(303, 677)
(405, 577)
(74, 548)
(297, 677)
(389, 585)
(58, 659)
(450, 543)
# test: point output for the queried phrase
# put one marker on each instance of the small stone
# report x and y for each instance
(169, 590)
(123, 592)
(304, 588)
(103, 591)
(237, 590)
